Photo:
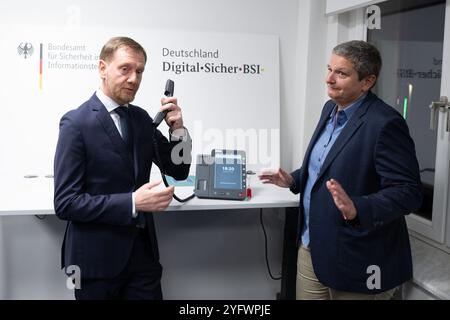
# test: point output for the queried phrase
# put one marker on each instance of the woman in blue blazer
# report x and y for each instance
(358, 180)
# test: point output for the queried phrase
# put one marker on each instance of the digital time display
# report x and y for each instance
(228, 172)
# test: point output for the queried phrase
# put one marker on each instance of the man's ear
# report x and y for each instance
(369, 82)
(102, 69)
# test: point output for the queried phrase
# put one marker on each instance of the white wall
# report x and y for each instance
(234, 16)
(310, 76)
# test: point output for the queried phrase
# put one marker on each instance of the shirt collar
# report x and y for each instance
(109, 103)
(350, 109)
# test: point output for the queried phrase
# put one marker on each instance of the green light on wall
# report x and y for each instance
(405, 108)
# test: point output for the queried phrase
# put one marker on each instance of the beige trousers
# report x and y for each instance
(309, 287)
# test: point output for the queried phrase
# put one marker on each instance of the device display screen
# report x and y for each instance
(228, 171)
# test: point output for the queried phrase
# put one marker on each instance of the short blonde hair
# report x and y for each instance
(115, 43)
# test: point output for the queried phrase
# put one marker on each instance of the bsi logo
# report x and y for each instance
(374, 280)
(73, 281)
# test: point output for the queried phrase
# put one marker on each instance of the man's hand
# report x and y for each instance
(148, 198)
(174, 118)
(342, 200)
(277, 177)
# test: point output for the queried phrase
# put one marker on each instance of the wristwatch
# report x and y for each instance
(175, 134)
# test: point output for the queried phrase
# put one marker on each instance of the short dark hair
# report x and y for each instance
(115, 43)
(365, 57)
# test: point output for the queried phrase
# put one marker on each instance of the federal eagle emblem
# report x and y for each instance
(26, 49)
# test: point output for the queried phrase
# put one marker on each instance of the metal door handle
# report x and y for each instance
(442, 105)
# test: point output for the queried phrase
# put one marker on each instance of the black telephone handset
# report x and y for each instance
(168, 92)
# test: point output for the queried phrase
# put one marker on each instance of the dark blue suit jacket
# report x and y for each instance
(374, 160)
(95, 175)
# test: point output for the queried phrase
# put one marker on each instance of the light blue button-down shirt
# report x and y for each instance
(335, 124)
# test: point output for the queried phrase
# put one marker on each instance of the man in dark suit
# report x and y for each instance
(358, 180)
(102, 169)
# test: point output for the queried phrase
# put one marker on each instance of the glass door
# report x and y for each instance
(411, 41)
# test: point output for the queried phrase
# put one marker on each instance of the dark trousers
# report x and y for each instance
(140, 280)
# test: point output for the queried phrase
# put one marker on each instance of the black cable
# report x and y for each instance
(174, 195)
(265, 246)
(161, 168)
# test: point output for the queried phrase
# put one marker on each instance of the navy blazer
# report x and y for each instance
(95, 175)
(375, 162)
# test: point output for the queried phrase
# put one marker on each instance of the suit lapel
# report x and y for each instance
(110, 128)
(347, 133)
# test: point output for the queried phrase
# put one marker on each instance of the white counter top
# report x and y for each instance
(34, 196)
